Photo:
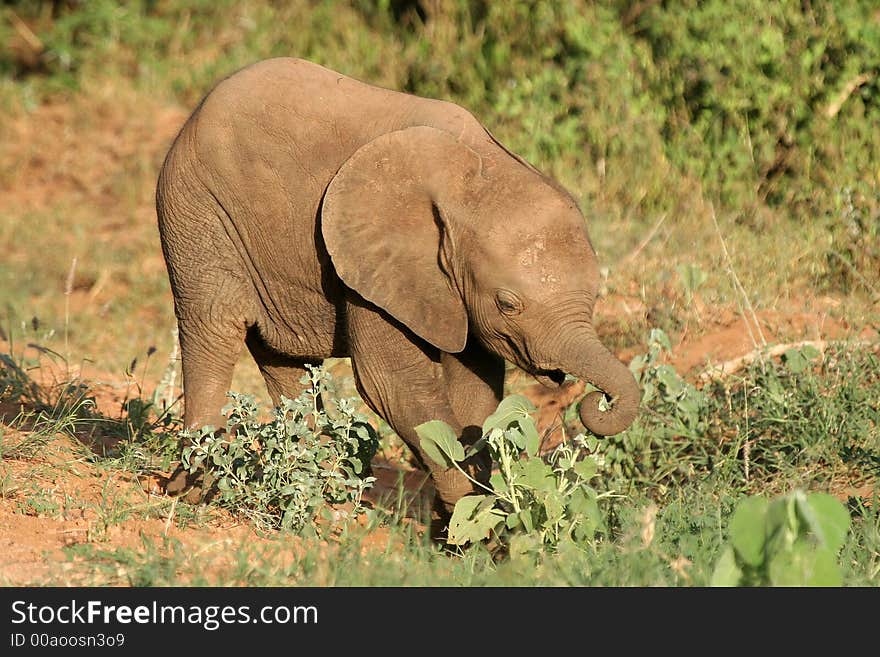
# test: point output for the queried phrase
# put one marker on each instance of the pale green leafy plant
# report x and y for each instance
(650, 450)
(286, 472)
(532, 501)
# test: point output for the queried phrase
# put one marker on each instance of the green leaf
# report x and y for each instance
(670, 380)
(779, 515)
(515, 436)
(637, 364)
(440, 442)
(827, 518)
(509, 410)
(727, 572)
(588, 519)
(554, 506)
(648, 390)
(692, 277)
(824, 571)
(473, 518)
(659, 337)
(583, 502)
(530, 433)
(795, 361)
(804, 565)
(497, 482)
(586, 468)
(534, 474)
(783, 524)
(747, 529)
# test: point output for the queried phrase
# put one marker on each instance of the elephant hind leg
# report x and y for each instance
(214, 299)
(281, 373)
(209, 354)
(213, 311)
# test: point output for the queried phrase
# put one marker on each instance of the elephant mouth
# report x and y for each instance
(549, 378)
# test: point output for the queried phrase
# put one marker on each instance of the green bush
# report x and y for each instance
(753, 97)
(534, 502)
(806, 410)
(761, 102)
(286, 472)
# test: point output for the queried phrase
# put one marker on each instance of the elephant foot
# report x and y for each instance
(191, 487)
(439, 528)
(451, 485)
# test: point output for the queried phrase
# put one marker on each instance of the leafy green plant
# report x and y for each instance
(798, 360)
(692, 279)
(40, 502)
(792, 541)
(533, 501)
(663, 389)
(662, 444)
(285, 472)
(805, 409)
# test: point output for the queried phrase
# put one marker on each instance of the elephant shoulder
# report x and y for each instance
(449, 117)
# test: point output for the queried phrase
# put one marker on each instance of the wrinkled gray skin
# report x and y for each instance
(307, 215)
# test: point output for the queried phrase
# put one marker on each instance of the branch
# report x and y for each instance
(26, 33)
(718, 372)
(847, 91)
(641, 245)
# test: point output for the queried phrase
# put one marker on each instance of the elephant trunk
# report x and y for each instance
(588, 359)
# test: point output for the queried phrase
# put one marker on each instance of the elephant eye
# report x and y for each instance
(508, 302)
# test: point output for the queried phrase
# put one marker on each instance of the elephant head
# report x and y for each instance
(454, 243)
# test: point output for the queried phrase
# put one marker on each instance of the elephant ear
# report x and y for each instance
(386, 221)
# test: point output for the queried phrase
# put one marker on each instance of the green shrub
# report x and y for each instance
(752, 428)
(286, 472)
(761, 102)
(753, 93)
(533, 502)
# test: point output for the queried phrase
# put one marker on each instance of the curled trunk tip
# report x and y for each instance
(614, 381)
(584, 356)
(608, 422)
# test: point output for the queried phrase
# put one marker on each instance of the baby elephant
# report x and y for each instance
(308, 215)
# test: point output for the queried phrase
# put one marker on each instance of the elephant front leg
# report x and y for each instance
(474, 382)
(402, 379)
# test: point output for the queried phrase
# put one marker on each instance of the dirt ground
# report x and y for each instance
(80, 154)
